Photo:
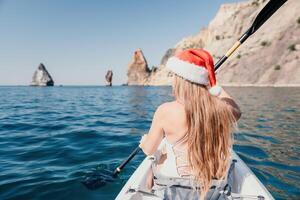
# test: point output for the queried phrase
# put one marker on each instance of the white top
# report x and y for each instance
(176, 163)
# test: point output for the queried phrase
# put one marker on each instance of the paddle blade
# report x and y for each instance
(98, 178)
(96, 181)
(270, 8)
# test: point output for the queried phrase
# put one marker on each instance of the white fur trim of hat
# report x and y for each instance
(188, 71)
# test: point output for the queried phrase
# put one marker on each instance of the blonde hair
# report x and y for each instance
(210, 123)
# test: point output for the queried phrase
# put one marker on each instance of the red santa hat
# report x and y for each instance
(197, 66)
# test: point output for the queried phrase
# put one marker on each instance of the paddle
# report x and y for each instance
(99, 177)
(270, 8)
(124, 163)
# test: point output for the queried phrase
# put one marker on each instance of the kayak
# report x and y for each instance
(245, 184)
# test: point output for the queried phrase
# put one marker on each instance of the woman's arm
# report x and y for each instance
(224, 96)
(150, 142)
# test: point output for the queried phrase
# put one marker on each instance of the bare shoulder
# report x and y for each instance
(170, 108)
(172, 119)
(168, 105)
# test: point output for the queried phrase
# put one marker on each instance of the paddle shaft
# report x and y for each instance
(232, 49)
(129, 158)
(270, 8)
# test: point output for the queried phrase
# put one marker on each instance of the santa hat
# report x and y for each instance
(197, 66)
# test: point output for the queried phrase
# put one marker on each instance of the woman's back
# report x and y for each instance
(174, 121)
(174, 159)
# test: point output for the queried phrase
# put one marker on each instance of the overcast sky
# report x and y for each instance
(79, 40)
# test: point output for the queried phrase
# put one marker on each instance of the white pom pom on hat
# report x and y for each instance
(197, 66)
(215, 90)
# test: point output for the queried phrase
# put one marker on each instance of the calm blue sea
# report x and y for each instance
(51, 138)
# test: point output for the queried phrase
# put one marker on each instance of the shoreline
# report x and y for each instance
(223, 85)
(260, 85)
(241, 85)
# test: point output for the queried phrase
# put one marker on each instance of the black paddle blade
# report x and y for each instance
(270, 8)
(98, 178)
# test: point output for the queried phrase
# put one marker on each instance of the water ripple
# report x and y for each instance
(50, 138)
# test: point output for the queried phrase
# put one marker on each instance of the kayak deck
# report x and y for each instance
(245, 184)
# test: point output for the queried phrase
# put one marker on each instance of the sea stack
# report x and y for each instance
(41, 77)
(108, 78)
(138, 71)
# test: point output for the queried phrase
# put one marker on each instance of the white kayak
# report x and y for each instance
(245, 184)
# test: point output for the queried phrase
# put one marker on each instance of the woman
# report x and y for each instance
(196, 127)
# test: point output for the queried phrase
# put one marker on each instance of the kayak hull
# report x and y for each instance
(245, 183)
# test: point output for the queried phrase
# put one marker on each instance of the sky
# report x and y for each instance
(79, 40)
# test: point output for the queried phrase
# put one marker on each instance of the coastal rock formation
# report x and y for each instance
(271, 56)
(41, 77)
(108, 77)
(138, 71)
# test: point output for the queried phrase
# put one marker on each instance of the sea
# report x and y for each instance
(53, 138)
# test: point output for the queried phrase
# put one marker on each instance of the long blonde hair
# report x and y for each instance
(210, 123)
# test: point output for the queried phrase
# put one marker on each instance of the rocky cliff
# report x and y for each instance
(138, 71)
(41, 77)
(269, 57)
